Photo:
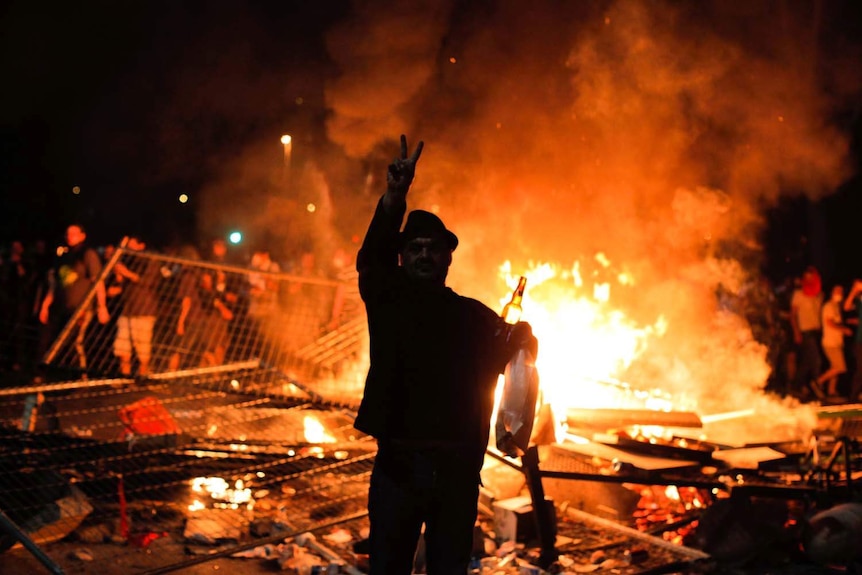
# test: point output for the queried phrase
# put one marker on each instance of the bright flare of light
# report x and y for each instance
(586, 344)
(211, 485)
(183, 198)
(715, 417)
(315, 432)
(285, 139)
(220, 490)
(76, 190)
(602, 292)
(311, 208)
(625, 278)
(235, 237)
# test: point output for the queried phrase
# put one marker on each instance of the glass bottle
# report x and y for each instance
(512, 310)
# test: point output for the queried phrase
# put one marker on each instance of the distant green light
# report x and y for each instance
(235, 237)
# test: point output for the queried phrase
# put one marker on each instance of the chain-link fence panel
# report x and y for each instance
(169, 314)
(214, 408)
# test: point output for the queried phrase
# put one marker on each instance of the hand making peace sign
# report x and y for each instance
(401, 170)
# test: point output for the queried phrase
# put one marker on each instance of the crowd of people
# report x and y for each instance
(823, 328)
(435, 355)
(196, 311)
(813, 336)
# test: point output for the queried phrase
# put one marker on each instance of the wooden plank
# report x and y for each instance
(608, 418)
(642, 462)
(748, 457)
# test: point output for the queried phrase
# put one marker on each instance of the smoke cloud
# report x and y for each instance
(387, 53)
(653, 132)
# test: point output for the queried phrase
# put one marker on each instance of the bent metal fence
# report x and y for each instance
(214, 407)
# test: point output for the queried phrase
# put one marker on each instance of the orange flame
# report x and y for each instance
(589, 343)
(315, 432)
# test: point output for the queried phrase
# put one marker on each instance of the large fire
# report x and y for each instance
(602, 347)
(592, 343)
(588, 344)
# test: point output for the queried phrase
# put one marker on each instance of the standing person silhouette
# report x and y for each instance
(429, 393)
(76, 270)
(805, 318)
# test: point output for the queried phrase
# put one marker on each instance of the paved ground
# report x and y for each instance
(164, 555)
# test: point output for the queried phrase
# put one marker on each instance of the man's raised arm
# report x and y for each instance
(380, 246)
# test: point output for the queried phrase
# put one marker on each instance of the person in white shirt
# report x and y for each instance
(832, 341)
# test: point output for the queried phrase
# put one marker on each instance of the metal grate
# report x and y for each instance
(243, 418)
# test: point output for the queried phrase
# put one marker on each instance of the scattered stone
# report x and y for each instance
(598, 556)
(635, 555)
(94, 533)
(212, 526)
(82, 554)
(339, 537)
(261, 528)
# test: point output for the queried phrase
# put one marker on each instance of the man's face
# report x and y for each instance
(426, 259)
(837, 293)
(74, 236)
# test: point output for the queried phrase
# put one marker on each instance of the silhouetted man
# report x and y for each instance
(429, 393)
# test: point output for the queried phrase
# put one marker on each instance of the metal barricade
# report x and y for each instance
(215, 401)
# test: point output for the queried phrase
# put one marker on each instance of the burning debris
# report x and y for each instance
(621, 501)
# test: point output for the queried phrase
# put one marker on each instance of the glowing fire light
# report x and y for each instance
(315, 432)
(593, 343)
(221, 492)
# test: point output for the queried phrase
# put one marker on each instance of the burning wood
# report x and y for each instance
(621, 459)
(748, 458)
(617, 418)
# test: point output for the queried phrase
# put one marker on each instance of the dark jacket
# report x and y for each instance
(435, 355)
(74, 274)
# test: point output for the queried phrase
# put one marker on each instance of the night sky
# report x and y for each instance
(139, 102)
